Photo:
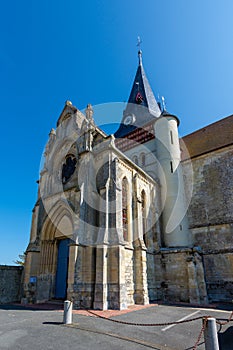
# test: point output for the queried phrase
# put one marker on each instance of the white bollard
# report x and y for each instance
(67, 317)
(211, 335)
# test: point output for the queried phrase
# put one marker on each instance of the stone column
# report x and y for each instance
(122, 283)
(152, 246)
(88, 275)
(102, 237)
(33, 232)
(201, 279)
(117, 298)
(194, 296)
(140, 266)
(73, 253)
(140, 273)
(101, 287)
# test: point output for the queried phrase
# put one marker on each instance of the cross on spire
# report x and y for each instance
(139, 50)
(139, 43)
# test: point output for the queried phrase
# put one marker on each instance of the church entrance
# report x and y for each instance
(62, 269)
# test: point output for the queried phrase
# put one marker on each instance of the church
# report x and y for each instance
(134, 217)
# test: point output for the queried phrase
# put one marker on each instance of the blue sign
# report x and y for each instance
(32, 280)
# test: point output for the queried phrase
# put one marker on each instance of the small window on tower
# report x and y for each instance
(171, 136)
(171, 167)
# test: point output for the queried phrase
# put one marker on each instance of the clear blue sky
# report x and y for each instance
(85, 51)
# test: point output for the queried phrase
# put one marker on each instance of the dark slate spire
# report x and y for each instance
(142, 106)
(141, 93)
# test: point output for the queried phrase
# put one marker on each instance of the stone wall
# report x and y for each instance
(211, 219)
(10, 283)
(212, 202)
(180, 276)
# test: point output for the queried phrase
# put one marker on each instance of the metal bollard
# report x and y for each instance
(67, 317)
(211, 335)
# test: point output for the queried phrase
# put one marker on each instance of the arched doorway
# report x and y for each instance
(63, 234)
(54, 254)
(62, 268)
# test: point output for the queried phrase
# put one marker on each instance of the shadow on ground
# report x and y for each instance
(226, 339)
(217, 306)
(32, 307)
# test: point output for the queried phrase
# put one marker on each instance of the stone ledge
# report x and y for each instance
(10, 267)
(177, 250)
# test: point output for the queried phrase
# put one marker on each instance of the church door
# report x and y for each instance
(62, 269)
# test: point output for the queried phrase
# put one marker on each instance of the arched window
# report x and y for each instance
(135, 160)
(143, 159)
(143, 198)
(125, 211)
(68, 168)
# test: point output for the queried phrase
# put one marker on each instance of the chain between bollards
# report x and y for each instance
(68, 307)
(209, 327)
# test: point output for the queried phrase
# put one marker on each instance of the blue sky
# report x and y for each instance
(85, 51)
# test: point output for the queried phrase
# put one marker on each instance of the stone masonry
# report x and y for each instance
(10, 283)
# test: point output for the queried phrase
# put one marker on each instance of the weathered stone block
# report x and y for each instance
(10, 284)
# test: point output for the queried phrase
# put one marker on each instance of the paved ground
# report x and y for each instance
(41, 328)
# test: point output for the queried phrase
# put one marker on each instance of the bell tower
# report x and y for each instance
(144, 116)
(175, 266)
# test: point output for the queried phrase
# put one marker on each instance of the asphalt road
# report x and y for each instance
(23, 329)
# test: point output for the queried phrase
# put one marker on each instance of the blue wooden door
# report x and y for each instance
(62, 269)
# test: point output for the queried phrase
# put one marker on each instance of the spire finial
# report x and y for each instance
(139, 43)
(139, 50)
(89, 113)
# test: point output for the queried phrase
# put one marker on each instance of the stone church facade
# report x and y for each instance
(133, 217)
